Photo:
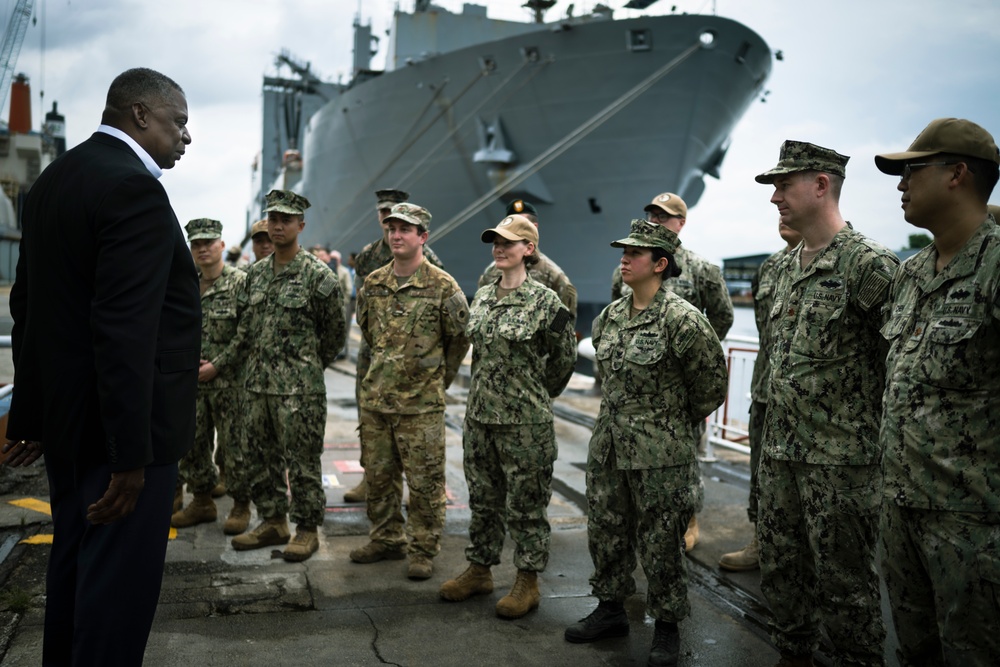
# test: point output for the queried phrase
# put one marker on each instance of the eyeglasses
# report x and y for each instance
(658, 216)
(911, 167)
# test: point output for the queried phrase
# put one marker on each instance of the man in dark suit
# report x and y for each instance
(106, 342)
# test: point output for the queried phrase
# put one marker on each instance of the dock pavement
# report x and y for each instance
(222, 607)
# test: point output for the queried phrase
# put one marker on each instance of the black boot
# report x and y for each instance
(666, 645)
(608, 620)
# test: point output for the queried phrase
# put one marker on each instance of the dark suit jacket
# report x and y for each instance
(107, 316)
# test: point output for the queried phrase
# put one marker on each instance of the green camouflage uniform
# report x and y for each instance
(819, 481)
(417, 335)
(762, 287)
(545, 272)
(523, 354)
(373, 256)
(701, 284)
(663, 372)
(220, 402)
(295, 329)
(941, 440)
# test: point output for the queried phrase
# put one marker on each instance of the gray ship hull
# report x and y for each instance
(419, 128)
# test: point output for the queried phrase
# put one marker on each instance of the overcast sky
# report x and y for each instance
(858, 76)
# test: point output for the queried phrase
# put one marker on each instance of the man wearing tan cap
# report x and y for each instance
(413, 316)
(293, 330)
(819, 476)
(940, 434)
(260, 241)
(374, 256)
(700, 283)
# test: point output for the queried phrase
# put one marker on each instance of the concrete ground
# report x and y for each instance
(222, 607)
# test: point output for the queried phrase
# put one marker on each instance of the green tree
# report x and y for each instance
(918, 241)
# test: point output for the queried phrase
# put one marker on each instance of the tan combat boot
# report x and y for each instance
(747, 558)
(220, 489)
(303, 545)
(523, 596)
(691, 535)
(201, 510)
(420, 567)
(476, 580)
(358, 494)
(373, 552)
(239, 518)
(268, 532)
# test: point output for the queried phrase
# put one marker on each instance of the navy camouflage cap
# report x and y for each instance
(645, 234)
(411, 213)
(203, 228)
(386, 198)
(803, 156)
(286, 201)
(521, 207)
(944, 135)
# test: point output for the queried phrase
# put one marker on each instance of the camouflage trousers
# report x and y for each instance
(509, 472)
(758, 409)
(644, 512)
(364, 363)
(942, 571)
(286, 437)
(218, 429)
(817, 527)
(412, 445)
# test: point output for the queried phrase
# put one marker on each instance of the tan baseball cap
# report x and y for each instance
(670, 203)
(259, 227)
(943, 135)
(512, 228)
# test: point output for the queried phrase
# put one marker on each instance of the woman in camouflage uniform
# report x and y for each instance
(663, 371)
(523, 353)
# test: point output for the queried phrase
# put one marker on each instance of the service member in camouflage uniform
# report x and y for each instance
(941, 411)
(544, 271)
(663, 371)
(523, 354)
(260, 241)
(413, 316)
(700, 283)
(294, 329)
(762, 288)
(819, 483)
(374, 256)
(220, 388)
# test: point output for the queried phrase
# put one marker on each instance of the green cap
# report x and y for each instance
(803, 156)
(411, 213)
(286, 201)
(944, 135)
(203, 228)
(645, 234)
(388, 197)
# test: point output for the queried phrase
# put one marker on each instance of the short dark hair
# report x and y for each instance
(985, 173)
(139, 84)
(672, 270)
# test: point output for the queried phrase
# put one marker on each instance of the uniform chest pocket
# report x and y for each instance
(294, 311)
(222, 309)
(953, 355)
(645, 350)
(519, 326)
